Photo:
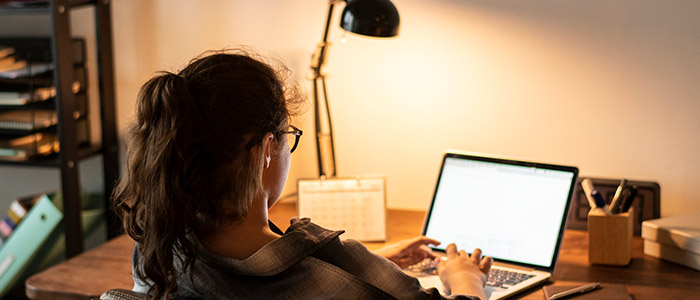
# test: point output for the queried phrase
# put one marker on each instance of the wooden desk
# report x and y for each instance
(109, 266)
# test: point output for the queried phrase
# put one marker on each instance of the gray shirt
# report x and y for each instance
(307, 262)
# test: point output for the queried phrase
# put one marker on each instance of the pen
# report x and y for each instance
(630, 198)
(623, 198)
(615, 203)
(579, 290)
(588, 187)
(599, 201)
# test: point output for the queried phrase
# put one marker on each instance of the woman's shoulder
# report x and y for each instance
(304, 233)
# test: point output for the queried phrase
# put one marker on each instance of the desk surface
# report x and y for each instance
(109, 266)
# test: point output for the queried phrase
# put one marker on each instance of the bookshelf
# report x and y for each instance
(66, 104)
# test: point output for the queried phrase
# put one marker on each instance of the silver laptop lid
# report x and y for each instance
(514, 211)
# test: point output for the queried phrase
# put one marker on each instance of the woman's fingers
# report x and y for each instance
(485, 265)
(451, 251)
(476, 256)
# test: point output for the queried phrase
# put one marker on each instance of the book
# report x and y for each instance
(6, 227)
(28, 237)
(18, 209)
(27, 120)
(25, 147)
(22, 98)
(20, 206)
(607, 291)
(672, 254)
(682, 231)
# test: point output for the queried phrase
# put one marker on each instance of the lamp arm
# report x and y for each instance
(319, 57)
(323, 110)
(325, 145)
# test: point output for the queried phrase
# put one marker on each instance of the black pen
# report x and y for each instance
(630, 198)
(615, 203)
(623, 199)
(599, 201)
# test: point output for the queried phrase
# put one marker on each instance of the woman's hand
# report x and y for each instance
(408, 252)
(463, 274)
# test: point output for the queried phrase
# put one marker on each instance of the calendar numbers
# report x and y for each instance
(356, 205)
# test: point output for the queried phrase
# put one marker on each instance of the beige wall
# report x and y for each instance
(608, 86)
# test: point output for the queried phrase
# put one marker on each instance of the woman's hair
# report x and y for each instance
(189, 160)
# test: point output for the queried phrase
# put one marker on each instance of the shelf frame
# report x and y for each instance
(67, 126)
(110, 139)
(71, 153)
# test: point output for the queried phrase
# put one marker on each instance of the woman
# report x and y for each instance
(207, 156)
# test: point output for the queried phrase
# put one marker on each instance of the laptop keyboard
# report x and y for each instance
(506, 278)
(426, 266)
(497, 277)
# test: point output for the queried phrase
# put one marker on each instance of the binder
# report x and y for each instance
(25, 241)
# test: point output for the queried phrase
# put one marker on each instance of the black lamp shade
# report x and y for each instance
(378, 18)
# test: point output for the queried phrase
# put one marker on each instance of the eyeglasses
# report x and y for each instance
(293, 138)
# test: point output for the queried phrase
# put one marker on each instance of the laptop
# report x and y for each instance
(514, 211)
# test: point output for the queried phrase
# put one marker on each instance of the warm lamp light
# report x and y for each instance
(377, 18)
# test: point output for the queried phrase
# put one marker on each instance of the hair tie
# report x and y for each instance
(181, 76)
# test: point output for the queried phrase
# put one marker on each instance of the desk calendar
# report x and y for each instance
(356, 205)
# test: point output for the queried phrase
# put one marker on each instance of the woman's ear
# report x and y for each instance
(268, 144)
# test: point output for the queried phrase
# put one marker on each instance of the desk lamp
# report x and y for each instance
(376, 18)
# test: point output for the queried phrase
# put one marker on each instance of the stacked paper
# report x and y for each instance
(675, 239)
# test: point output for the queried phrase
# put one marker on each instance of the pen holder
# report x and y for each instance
(610, 238)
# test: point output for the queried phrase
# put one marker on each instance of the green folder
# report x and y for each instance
(19, 249)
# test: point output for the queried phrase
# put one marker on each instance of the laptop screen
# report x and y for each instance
(513, 211)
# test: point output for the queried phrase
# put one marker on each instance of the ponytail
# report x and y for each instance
(164, 116)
